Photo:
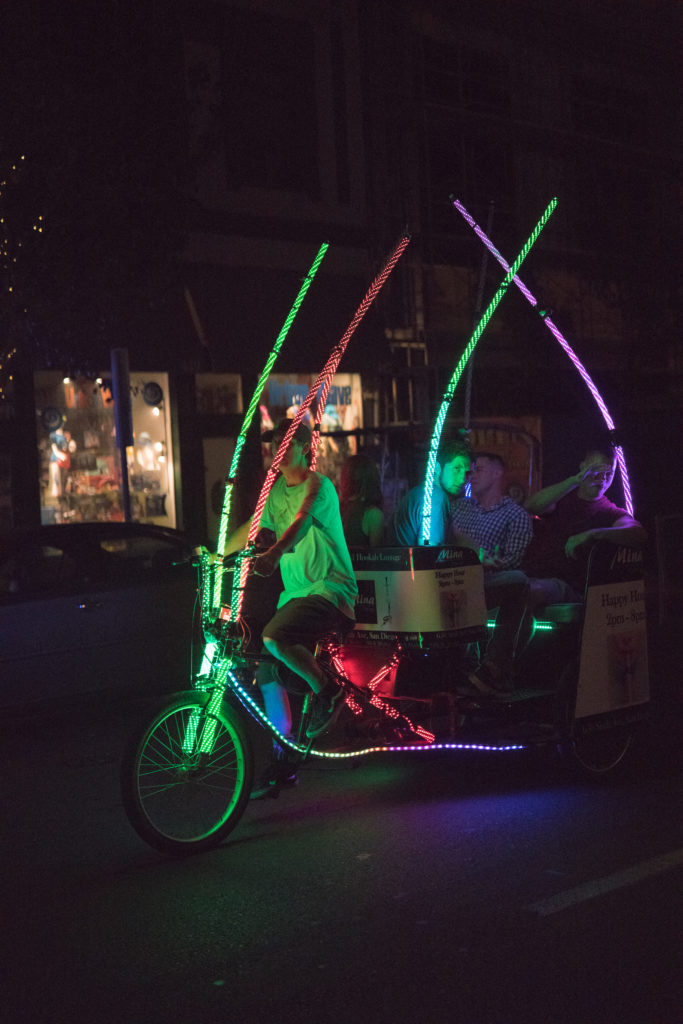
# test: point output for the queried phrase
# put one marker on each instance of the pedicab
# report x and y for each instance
(187, 773)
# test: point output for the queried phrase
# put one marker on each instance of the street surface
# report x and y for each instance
(410, 888)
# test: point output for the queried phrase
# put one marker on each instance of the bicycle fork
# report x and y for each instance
(211, 678)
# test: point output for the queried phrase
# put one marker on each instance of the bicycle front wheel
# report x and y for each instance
(186, 777)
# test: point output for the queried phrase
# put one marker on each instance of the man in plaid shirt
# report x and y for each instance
(500, 530)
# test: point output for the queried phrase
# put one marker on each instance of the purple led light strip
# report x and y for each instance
(379, 749)
(556, 332)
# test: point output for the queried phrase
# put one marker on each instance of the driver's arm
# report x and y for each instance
(238, 539)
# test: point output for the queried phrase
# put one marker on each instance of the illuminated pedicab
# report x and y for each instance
(186, 777)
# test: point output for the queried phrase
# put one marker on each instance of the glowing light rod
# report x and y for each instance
(325, 379)
(425, 533)
(556, 332)
(253, 405)
(318, 388)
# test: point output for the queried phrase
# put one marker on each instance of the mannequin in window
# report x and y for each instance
(60, 460)
(145, 454)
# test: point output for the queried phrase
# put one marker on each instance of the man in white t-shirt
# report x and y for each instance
(320, 588)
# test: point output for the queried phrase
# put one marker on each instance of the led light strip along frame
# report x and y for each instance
(557, 334)
(253, 405)
(223, 672)
(323, 382)
(285, 741)
(450, 391)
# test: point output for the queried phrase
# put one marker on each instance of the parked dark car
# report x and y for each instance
(94, 607)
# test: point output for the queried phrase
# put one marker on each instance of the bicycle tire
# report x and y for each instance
(593, 755)
(187, 774)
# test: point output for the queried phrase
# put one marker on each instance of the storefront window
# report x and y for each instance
(284, 395)
(81, 477)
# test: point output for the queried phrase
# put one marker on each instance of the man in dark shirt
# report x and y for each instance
(576, 513)
(453, 467)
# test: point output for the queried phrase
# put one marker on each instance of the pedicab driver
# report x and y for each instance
(320, 588)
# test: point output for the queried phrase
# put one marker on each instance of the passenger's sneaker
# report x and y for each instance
(325, 711)
(489, 680)
(278, 774)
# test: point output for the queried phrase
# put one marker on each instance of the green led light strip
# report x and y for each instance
(253, 405)
(450, 391)
(541, 625)
(326, 374)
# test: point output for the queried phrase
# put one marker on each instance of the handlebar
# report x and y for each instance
(231, 560)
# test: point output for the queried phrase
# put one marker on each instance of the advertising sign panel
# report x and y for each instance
(613, 672)
(421, 596)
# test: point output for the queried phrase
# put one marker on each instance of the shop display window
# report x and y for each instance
(80, 464)
(285, 394)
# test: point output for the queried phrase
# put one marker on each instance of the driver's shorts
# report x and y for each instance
(305, 620)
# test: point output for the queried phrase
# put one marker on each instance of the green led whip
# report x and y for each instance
(316, 389)
(239, 444)
(426, 529)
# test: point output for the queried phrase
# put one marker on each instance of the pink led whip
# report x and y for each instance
(555, 331)
(323, 381)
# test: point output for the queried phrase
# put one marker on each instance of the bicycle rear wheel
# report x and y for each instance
(590, 755)
(187, 775)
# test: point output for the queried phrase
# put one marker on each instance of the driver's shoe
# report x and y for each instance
(325, 709)
(279, 773)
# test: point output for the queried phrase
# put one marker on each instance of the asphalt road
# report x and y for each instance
(430, 888)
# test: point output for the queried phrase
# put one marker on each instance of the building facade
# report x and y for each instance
(351, 122)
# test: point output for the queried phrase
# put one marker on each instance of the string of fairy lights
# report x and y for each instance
(10, 244)
(564, 344)
(317, 389)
